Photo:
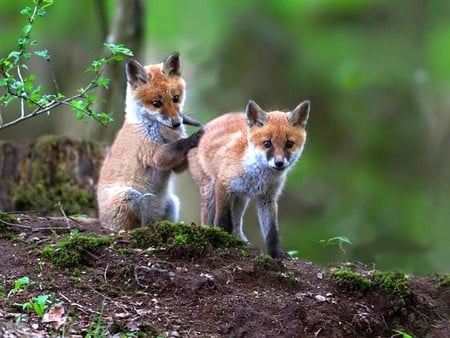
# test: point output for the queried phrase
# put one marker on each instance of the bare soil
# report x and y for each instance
(122, 291)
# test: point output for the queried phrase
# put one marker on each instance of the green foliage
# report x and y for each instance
(444, 281)
(9, 218)
(74, 250)
(403, 334)
(37, 304)
(185, 240)
(19, 285)
(393, 283)
(338, 241)
(17, 82)
(97, 329)
(351, 280)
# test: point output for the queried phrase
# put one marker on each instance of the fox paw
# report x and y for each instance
(280, 253)
(195, 138)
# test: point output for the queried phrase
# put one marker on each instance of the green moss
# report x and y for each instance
(393, 283)
(442, 280)
(185, 240)
(9, 218)
(351, 280)
(445, 281)
(266, 262)
(6, 230)
(74, 249)
(52, 173)
(395, 286)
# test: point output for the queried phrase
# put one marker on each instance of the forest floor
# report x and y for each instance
(181, 281)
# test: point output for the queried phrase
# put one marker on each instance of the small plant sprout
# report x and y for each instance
(20, 284)
(37, 304)
(97, 329)
(338, 241)
(402, 334)
(293, 253)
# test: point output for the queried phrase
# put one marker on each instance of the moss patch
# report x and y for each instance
(184, 240)
(57, 170)
(442, 280)
(393, 283)
(351, 280)
(9, 218)
(74, 249)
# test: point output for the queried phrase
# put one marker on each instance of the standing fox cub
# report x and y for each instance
(134, 186)
(247, 156)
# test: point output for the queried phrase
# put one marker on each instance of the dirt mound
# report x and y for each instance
(184, 281)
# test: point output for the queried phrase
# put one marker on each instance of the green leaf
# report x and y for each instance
(39, 304)
(27, 11)
(403, 334)
(46, 3)
(14, 55)
(78, 105)
(27, 29)
(104, 118)
(43, 54)
(118, 49)
(340, 239)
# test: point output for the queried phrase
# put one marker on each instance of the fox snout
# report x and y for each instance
(176, 123)
(278, 163)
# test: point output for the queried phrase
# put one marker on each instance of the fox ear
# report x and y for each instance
(172, 64)
(299, 116)
(135, 72)
(255, 115)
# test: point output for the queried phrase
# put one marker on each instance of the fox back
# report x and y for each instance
(134, 185)
(246, 156)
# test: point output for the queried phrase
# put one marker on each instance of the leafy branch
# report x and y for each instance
(17, 82)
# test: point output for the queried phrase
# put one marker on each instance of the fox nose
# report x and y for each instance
(176, 123)
(279, 164)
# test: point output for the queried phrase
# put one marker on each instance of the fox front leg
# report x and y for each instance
(268, 221)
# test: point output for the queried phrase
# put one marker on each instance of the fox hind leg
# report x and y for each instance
(172, 208)
(120, 207)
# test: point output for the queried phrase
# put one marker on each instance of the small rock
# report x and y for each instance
(320, 298)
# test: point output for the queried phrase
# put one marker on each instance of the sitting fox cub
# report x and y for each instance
(247, 156)
(134, 186)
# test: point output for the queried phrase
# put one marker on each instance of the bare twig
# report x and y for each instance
(15, 225)
(104, 273)
(40, 109)
(67, 219)
(147, 269)
(22, 100)
(80, 307)
(52, 73)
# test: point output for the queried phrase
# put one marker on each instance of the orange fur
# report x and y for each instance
(134, 186)
(233, 164)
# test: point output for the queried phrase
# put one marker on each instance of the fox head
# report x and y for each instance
(155, 92)
(277, 138)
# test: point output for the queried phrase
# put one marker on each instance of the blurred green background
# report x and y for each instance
(376, 167)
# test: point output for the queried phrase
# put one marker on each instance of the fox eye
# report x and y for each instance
(176, 98)
(289, 144)
(157, 103)
(267, 144)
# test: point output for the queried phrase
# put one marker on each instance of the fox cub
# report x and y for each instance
(247, 156)
(135, 183)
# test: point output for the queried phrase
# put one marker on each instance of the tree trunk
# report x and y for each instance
(50, 174)
(127, 28)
